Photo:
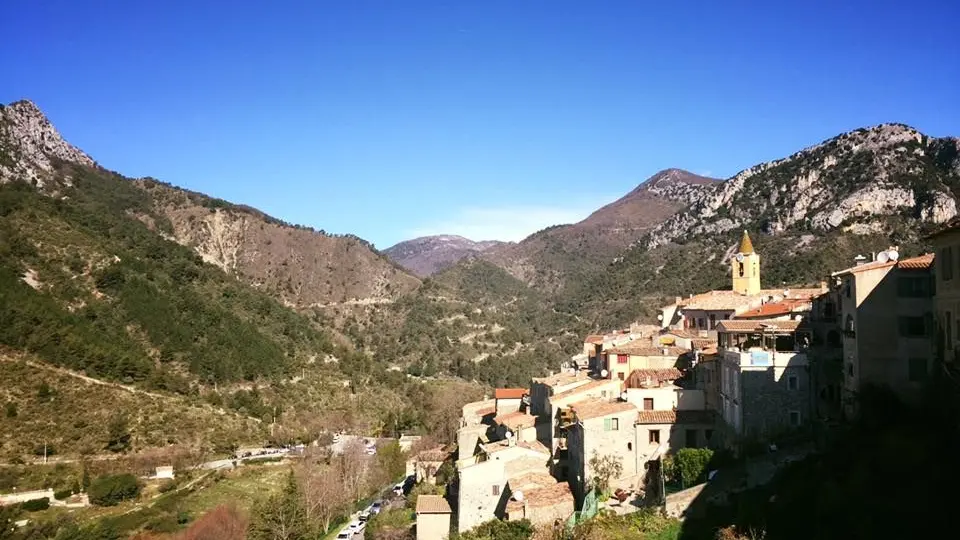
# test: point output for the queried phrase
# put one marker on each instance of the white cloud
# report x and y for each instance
(508, 223)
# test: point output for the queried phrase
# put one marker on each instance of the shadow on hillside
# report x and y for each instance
(891, 475)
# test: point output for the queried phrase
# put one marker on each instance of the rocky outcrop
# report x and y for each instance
(29, 143)
(860, 176)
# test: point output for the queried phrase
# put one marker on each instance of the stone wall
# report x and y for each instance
(767, 399)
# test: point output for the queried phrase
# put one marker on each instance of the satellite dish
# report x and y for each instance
(518, 496)
(739, 257)
(509, 434)
(623, 396)
(604, 373)
(883, 257)
(893, 255)
(659, 316)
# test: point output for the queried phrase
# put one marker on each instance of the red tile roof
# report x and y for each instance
(675, 417)
(922, 262)
(756, 326)
(558, 493)
(509, 393)
(647, 349)
(485, 411)
(703, 343)
(773, 309)
(597, 409)
(638, 378)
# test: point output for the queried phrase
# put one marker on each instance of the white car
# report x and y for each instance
(345, 535)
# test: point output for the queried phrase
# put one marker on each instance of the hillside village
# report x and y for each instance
(731, 370)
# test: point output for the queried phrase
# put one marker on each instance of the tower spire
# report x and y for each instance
(746, 246)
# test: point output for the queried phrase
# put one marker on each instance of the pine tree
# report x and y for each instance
(282, 516)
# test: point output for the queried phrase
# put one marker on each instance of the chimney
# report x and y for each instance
(679, 299)
(823, 286)
(859, 259)
(873, 256)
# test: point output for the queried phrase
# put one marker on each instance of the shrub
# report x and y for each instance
(110, 490)
(500, 530)
(167, 485)
(691, 464)
(63, 494)
(36, 505)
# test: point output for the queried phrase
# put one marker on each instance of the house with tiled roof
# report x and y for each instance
(509, 399)
(619, 362)
(433, 518)
(887, 323)
(600, 428)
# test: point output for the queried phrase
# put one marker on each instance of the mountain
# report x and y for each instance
(428, 255)
(556, 256)
(809, 214)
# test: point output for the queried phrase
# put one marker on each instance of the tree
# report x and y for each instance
(11, 409)
(351, 468)
(110, 490)
(118, 435)
(323, 496)
(691, 464)
(605, 469)
(280, 517)
(43, 391)
(391, 463)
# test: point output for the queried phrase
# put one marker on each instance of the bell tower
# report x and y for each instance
(746, 268)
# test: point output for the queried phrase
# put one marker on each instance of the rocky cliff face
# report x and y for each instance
(29, 143)
(428, 255)
(301, 266)
(856, 182)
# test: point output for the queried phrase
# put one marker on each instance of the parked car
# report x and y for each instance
(376, 507)
(398, 490)
(345, 535)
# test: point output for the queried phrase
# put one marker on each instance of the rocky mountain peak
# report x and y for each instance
(29, 143)
(427, 255)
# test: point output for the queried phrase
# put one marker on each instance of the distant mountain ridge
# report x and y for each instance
(428, 255)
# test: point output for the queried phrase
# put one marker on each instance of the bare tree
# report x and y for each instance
(605, 469)
(222, 523)
(323, 496)
(351, 467)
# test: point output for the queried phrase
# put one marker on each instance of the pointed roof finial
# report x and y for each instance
(746, 246)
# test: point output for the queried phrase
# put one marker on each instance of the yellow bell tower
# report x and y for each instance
(746, 268)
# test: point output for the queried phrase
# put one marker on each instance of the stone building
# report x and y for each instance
(599, 429)
(887, 324)
(433, 518)
(764, 378)
(619, 362)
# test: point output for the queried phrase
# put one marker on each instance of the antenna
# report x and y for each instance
(883, 257)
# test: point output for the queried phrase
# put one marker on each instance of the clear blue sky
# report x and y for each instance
(492, 119)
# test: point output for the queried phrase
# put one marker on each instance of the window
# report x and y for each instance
(691, 436)
(713, 321)
(629, 447)
(793, 383)
(913, 287)
(741, 265)
(918, 369)
(700, 324)
(848, 324)
(708, 434)
(911, 326)
(829, 310)
(946, 263)
(622, 358)
(495, 490)
(611, 424)
(795, 418)
(648, 403)
(846, 288)
(654, 436)
(849, 369)
(620, 375)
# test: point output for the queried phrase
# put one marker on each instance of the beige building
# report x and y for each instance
(508, 400)
(660, 432)
(540, 499)
(428, 462)
(599, 429)
(619, 362)
(433, 518)
(524, 427)
(946, 243)
(887, 324)
(764, 377)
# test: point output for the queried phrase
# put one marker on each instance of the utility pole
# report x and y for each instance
(44, 452)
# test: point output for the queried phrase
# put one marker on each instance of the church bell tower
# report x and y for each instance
(746, 268)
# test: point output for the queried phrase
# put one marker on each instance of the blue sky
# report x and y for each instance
(491, 119)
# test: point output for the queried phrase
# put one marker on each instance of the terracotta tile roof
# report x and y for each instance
(558, 493)
(562, 378)
(516, 419)
(596, 339)
(703, 343)
(485, 411)
(509, 393)
(499, 446)
(531, 480)
(718, 301)
(676, 417)
(536, 446)
(596, 409)
(433, 454)
(648, 349)
(773, 309)
(682, 333)
(638, 378)
(922, 262)
(795, 294)
(755, 325)
(432, 504)
(592, 385)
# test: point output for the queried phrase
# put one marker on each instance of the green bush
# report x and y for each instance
(110, 490)
(167, 485)
(63, 494)
(36, 505)
(500, 530)
(690, 464)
